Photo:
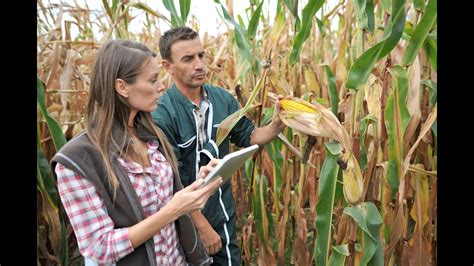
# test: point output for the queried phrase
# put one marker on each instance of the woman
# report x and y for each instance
(116, 179)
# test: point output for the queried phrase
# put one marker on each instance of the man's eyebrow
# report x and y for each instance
(191, 55)
(184, 57)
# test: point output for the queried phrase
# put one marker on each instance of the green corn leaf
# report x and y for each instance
(400, 80)
(369, 220)
(433, 88)
(54, 129)
(227, 124)
(263, 221)
(369, 10)
(363, 130)
(419, 4)
(248, 167)
(45, 179)
(267, 219)
(320, 27)
(339, 187)
(333, 94)
(339, 254)
(292, 5)
(364, 10)
(420, 33)
(253, 23)
(114, 6)
(308, 13)
(63, 247)
(386, 6)
(393, 123)
(396, 25)
(273, 148)
(359, 6)
(325, 206)
(240, 36)
(432, 51)
(184, 7)
(108, 10)
(267, 115)
(360, 70)
(241, 21)
(176, 20)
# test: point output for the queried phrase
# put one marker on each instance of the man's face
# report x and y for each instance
(187, 67)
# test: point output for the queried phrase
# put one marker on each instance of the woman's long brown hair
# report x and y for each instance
(106, 109)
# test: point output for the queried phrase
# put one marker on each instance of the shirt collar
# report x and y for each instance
(188, 103)
(204, 99)
(136, 168)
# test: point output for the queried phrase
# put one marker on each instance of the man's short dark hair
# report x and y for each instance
(173, 35)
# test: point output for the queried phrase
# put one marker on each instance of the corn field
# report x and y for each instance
(352, 180)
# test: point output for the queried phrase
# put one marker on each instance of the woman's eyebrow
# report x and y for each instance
(154, 75)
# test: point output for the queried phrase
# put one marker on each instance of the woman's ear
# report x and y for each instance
(121, 88)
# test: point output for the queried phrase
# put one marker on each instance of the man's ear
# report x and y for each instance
(121, 88)
(167, 65)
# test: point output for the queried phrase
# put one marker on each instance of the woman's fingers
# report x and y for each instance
(194, 196)
(214, 162)
(204, 170)
(208, 167)
(208, 190)
(213, 185)
(195, 185)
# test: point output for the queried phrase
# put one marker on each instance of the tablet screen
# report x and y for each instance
(230, 163)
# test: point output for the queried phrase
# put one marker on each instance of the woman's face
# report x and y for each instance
(143, 95)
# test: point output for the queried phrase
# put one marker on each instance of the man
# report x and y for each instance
(189, 113)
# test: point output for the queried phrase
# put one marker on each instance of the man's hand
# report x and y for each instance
(277, 124)
(265, 134)
(212, 240)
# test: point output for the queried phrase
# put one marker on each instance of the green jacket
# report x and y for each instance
(175, 117)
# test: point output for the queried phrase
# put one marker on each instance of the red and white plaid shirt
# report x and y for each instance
(96, 236)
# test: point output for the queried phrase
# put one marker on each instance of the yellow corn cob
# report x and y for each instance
(353, 181)
(298, 106)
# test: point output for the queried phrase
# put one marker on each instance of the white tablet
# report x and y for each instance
(230, 163)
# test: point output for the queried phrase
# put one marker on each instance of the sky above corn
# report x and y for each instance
(207, 13)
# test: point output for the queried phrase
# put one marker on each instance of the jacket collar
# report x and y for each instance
(118, 134)
(144, 134)
(183, 99)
